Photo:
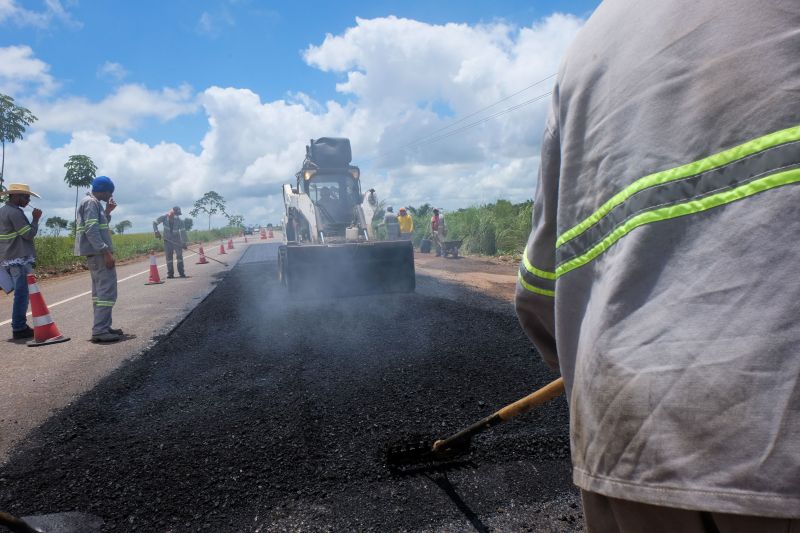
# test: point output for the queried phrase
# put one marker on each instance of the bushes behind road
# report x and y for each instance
(57, 252)
(500, 228)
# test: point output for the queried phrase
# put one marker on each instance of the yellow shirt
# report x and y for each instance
(406, 223)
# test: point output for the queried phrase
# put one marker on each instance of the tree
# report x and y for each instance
(211, 203)
(13, 121)
(188, 223)
(81, 171)
(56, 224)
(236, 221)
(122, 226)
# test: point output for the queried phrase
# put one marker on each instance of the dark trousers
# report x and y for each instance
(171, 249)
(612, 515)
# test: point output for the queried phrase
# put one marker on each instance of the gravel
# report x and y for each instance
(259, 413)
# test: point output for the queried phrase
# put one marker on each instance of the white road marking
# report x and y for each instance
(90, 292)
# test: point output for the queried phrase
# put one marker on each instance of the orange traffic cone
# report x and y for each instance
(202, 254)
(270, 234)
(44, 329)
(230, 244)
(222, 249)
(154, 278)
(263, 234)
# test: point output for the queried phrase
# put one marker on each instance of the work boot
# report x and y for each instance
(183, 275)
(26, 333)
(106, 337)
(170, 276)
(115, 331)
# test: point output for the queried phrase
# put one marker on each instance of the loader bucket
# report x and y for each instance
(347, 269)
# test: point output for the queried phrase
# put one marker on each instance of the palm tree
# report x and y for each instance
(81, 172)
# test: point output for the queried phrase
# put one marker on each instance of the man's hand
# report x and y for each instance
(110, 206)
(109, 257)
(37, 214)
(158, 234)
(185, 246)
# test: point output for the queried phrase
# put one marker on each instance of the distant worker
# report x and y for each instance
(438, 231)
(175, 239)
(392, 226)
(17, 253)
(406, 223)
(661, 274)
(93, 239)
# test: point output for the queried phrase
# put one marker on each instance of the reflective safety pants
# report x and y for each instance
(104, 292)
(169, 249)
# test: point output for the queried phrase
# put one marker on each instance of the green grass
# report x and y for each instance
(57, 252)
(501, 228)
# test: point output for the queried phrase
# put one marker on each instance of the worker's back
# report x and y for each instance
(668, 192)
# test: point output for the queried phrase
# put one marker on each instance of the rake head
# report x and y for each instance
(421, 454)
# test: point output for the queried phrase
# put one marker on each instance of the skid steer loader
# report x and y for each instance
(329, 243)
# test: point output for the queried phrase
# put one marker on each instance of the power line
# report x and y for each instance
(434, 132)
(486, 119)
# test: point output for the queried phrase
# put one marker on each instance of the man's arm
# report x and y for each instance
(184, 235)
(535, 298)
(23, 228)
(156, 222)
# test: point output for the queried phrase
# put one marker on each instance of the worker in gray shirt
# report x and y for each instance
(17, 253)
(175, 239)
(661, 274)
(93, 240)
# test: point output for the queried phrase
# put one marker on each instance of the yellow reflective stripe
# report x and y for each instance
(703, 165)
(678, 210)
(528, 287)
(14, 234)
(103, 226)
(533, 270)
(104, 303)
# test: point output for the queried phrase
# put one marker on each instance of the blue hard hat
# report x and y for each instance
(102, 184)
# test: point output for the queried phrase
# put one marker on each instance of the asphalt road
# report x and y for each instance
(36, 381)
(261, 413)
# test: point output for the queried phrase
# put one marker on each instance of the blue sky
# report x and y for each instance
(184, 96)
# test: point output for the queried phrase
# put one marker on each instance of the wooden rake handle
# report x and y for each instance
(523, 405)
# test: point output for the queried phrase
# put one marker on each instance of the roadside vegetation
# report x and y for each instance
(501, 228)
(56, 253)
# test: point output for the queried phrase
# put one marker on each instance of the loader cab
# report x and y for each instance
(335, 194)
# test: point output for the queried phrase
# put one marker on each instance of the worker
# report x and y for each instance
(93, 240)
(438, 231)
(17, 253)
(661, 274)
(406, 223)
(392, 225)
(175, 239)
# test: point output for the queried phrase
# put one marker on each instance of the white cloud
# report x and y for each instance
(21, 71)
(54, 11)
(212, 25)
(120, 112)
(112, 71)
(398, 74)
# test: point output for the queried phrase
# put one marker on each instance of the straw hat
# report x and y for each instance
(20, 188)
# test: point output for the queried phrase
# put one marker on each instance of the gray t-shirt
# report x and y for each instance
(661, 275)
